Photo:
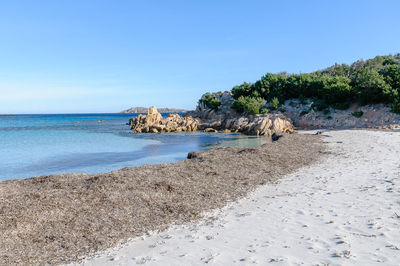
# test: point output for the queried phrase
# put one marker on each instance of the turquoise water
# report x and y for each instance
(33, 145)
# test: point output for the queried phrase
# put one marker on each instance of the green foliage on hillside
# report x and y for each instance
(248, 104)
(211, 101)
(274, 104)
(375, 80)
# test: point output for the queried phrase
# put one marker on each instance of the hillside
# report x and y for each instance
(373, 81)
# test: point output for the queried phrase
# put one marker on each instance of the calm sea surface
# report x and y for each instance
(32, 145)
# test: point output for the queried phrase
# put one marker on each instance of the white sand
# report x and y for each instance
(342, 211)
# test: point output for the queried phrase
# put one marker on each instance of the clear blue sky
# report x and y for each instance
(105, 56)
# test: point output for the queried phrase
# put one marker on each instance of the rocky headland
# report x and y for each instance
(301, 114)
(141, 110)
(293, 114)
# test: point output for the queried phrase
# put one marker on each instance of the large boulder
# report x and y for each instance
(152, 122)
(259, 125)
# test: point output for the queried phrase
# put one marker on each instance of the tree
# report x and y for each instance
(211, 101)
(371, 87)
(250, 105)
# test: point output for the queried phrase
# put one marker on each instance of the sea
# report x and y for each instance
(43, 144)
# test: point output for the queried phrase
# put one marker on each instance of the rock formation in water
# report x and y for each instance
(138, 110)
(152, 122)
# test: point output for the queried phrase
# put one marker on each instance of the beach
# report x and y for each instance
(342, 211)
(64, 218)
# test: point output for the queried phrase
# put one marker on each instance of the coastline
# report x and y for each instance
(342, 211)
(73, 215)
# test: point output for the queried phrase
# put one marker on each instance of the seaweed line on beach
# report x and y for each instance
(63, 218)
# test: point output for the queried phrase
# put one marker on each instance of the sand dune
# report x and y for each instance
(342, 211)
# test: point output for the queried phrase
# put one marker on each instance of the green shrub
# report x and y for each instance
(246, 89)
(211, 101)
(250, 105)
(391, 74)
(274, 104)
(371, 87)
(341, 106)
(395, 108)
(302, 99)
(264, 111)
(337, 89)
(304, 112)
(282, 108)
(319, 105)
(326, 111)
(376, 80)
(358, 114)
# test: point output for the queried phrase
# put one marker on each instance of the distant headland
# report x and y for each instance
(144, 110)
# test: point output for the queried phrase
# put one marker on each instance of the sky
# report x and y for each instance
(83, 56)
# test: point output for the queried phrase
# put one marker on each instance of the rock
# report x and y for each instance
(153, 122)
(275, 137)
(161, 110)
(251, 125)
(193, 154)
(209, 129)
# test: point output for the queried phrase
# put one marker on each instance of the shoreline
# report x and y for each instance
(73, 215)
(342, 211)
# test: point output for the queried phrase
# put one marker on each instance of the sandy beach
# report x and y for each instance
(342, 211)
(62, 218)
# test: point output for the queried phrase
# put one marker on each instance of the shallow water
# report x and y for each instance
(32, 145)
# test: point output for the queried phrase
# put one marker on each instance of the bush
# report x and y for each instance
(342, 106)
(211, 101)
(250, 105)
(375, 80)
(304, 112)
(358, 114)
(395, 108)
(337, 89)
(371, 87)
(274, 104)
(391, 74)
(246, 89)
(319, 105)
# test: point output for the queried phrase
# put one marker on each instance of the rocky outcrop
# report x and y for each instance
(304, 116)
(139, 110)
(224, 110)
(251, 125)
(225, 119)
(153, 122)
(258, 125)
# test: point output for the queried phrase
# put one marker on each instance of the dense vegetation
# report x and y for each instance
(211, 101)
(375, 80)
